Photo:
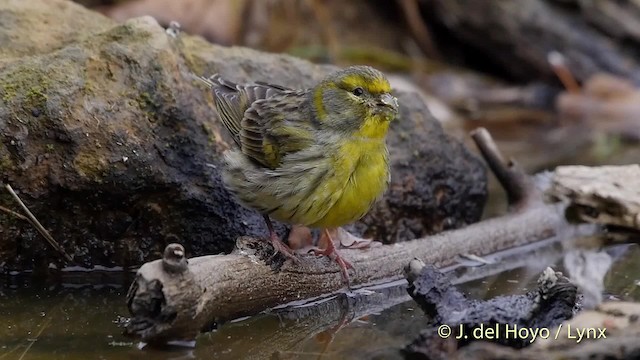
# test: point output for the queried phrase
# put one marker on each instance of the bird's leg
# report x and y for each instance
(277, 244)
(326, 337)
(331, 251)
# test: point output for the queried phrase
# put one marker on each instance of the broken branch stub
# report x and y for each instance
(517, 184)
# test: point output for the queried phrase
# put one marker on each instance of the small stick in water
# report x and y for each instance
(32, 219)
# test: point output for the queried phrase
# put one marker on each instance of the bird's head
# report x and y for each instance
(355, 101)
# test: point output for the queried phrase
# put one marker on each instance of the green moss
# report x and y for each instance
(193, 54)
(8, 221)
(146, 100)
(5, 163)
(147, 104)
(26, 84)
(89, 88)
(36, 98)
(119, 33)
(8, 91)
(124, 34)
(90, 165)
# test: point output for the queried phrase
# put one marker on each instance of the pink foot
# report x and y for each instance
(331, 251)
(277, 244)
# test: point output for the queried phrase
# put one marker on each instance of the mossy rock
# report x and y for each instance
(117, 150)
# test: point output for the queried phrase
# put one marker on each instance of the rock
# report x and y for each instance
(469, 320)
(515, 38)
(39, 27)
(609, 332)
(116, 149)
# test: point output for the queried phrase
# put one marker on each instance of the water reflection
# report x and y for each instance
(79, 322)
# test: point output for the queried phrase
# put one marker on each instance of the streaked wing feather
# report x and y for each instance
(283, 126)
(230, 103)
(264, 119)
(277, 87)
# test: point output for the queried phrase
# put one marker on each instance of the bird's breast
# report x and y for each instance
(361, 175)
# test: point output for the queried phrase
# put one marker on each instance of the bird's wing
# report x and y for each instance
(276, 126)
(267, 121)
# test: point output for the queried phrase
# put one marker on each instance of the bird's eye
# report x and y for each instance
(358, 91)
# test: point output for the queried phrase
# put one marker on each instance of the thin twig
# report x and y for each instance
(32, 219)
(420, 31)
(11, 212)
(562, 71)
(328, 33)
(516, 183)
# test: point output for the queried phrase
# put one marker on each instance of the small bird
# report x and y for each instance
(314, 157)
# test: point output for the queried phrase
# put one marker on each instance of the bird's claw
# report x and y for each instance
(333, 254)
(282, 248)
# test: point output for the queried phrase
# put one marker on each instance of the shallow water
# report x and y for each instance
(75, 321)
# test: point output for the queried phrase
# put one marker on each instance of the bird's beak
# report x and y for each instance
(389, 101)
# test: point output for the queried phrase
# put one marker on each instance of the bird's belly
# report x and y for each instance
(330, 193)
(361, 186)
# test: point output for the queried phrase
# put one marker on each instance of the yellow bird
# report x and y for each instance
(314, 157)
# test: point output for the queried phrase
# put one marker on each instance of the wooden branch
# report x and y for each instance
(13, 213)
(547, 305)
(517, 184)
(325, 317)
(176, 306)
(420, 31)
(607, 195)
